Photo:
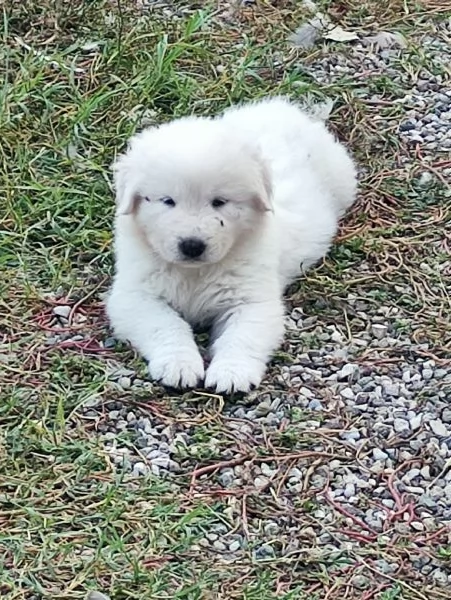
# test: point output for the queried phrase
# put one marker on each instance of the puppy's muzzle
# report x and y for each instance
(192, 248)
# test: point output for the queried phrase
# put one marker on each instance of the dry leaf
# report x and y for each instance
(338, 34)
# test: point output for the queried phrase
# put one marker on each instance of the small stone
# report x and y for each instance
(125, 382)
(271, 528)
(226, 478)
(441, 373)
(446, 415)
(350, 370)
(306, 392)
(336, 337)
(406, 376)
(407, 126)
(429, 523)
(415, 422)
(427, 374)
(379, 331)
(62, 311)
(347, 393)
(263, 409)
(264, 551)
(315, 405)
(220, 546)
(109, 342)
(140, 469)
(426, 472)
(417, 525)
(162, 462)
(379, 454)
(266, 470)
(295, 473)
(353, 435)
(440, 577)
(261, 482)
(234, 546)
(438, 428)
(349, 490)
(411, 474)
(97, 596)
(400, 425)
(427, 501)
(391, 389)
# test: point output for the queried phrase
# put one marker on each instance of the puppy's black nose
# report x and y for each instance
(192, 247)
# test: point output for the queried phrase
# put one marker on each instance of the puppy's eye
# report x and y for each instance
(218, 202)
(167, 201)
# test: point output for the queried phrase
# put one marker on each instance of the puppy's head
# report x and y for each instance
(194, 188)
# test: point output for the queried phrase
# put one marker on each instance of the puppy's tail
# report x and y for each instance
(319, 111)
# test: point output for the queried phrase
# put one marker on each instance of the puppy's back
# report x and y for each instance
(280, 127)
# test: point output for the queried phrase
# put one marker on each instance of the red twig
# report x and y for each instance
(346, 513)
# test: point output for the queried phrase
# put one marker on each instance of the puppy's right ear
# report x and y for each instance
(127, 198)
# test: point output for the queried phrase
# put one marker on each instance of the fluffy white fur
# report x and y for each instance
(285, 182)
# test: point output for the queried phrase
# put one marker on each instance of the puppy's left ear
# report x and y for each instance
(263, 197)
(127, 198)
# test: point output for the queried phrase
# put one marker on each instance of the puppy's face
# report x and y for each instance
(194, 189)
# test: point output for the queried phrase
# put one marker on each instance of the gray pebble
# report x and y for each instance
(62, 311)
(427, 374)
(315, 405)
(261, 482)
(140, 469)
(109, 342)
(379, 454)
(427, 501)
(354, 435)
(227, 478)
(220, 546)
(400, 425)
(391, 389)
(438, 428)
(379, 331)
(349, 371)
(271, 528)
(347, 393)
(416, 421)
(125, 382)
(349, 490)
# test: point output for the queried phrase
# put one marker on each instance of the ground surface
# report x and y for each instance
(333, 480)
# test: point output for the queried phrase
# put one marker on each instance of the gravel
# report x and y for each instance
(425, 94)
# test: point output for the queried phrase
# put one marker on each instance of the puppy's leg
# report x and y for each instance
(245, 340)
(164, 339)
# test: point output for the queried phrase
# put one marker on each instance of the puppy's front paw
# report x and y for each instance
(234, 375)
(178, 368)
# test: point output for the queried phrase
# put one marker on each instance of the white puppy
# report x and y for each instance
(214, 218)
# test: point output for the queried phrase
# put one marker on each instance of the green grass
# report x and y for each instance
(76, 80)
